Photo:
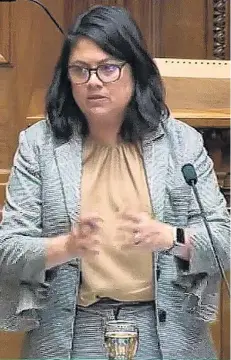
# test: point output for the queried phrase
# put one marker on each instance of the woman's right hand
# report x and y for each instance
(82, 241)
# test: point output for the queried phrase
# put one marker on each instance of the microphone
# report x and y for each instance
(45, 9)
(190, 177)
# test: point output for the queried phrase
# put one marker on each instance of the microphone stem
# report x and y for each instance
(49, 14)
(211, 237)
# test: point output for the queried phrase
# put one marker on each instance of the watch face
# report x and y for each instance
(180, 235)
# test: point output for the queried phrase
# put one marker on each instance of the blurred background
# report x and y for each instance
(191, 43)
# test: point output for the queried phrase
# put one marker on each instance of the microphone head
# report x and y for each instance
(189, 174)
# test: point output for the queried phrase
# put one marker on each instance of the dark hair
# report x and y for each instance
(115, 32)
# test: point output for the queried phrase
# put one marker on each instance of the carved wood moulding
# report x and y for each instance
(5, 34)
(219, 28)
(217, 142)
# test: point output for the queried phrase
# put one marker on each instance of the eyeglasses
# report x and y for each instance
(106, 73)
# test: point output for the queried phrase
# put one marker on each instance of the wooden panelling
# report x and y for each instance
(194, 29)
(4, 175)
(197, 91)
(183, 32)
(142, 12)
(10, 345)
(218, 29)
(9, 115)
(30, 43)
(6, 14)
(36, 45)
(146, 14)
(174, 28)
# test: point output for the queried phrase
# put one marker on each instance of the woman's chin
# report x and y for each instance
(98, 111)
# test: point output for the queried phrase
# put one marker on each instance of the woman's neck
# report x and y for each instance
(105, 138)
(108, 135)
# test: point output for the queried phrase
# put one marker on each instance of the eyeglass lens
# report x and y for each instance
(106, 73)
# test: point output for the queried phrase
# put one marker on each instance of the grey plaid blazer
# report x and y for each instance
(43, 198)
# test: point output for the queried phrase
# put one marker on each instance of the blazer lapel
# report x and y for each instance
(69, 163)
(155, 155)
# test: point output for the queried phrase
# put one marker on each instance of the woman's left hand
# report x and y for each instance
(146, 233)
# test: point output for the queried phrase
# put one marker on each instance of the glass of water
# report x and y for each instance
(121, 339)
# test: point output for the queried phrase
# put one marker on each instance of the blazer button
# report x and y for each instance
(162, 315)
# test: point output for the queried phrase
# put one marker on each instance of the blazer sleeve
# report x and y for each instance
(202, 259)
(22, 248)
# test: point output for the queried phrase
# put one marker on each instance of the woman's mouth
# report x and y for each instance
(96, 97)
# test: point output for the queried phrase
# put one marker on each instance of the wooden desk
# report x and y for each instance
(219, 118)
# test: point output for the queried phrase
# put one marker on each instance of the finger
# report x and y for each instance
(91, 217)
(140, 238)
(144, 216)
(127, 227)
(135, 218)
(90, 225)
(132, 246)
(144, 232)
(89, 241)
(139, 245)
(78, 232)
(127, 246)
(86, 230)
(92, 253)
(89, 246)
(88, 253)
(94, 241)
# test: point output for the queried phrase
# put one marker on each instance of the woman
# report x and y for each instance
(97, 204)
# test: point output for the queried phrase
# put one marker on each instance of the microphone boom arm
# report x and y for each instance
(49, 14)
(202, 213)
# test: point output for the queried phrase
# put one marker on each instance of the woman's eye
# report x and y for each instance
(109, 68)
(80, 70)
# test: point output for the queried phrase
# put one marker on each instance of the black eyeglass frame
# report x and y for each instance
(95, 70)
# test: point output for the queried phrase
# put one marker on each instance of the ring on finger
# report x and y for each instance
(137, 242)
(137, 235)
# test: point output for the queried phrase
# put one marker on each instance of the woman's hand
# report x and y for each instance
(83, 240)
(146, 233)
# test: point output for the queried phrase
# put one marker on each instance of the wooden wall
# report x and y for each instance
(174, 28)
(29, 47)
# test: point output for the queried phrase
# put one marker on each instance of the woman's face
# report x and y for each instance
(95, 97)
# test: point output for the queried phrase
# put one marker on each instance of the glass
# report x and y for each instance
(106, 73)
(121, 340)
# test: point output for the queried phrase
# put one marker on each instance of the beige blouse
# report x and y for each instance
(113, 182)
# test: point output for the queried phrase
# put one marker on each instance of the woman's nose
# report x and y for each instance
(94, 80)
